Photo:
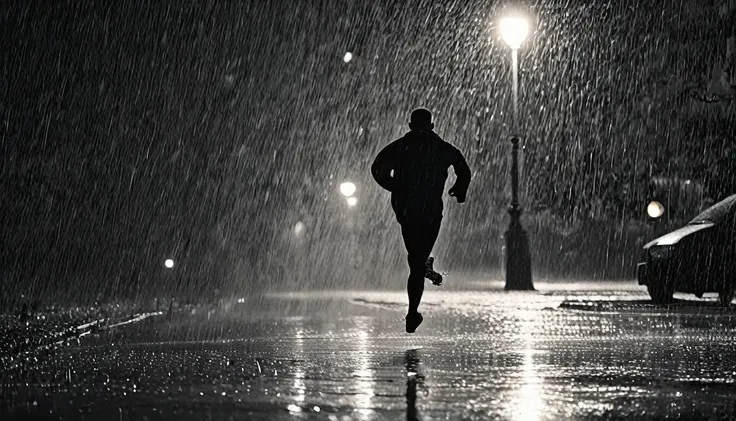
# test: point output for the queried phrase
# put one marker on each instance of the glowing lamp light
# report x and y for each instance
(655, 209)
(352, 201)
(347, 57)
(169, 263)
(514, 31)
(299, 228)
(347, 189)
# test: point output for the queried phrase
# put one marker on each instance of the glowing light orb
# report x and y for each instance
(169, 263)
(655, 209)
(347, 189)
(514, 31)
(352, 201)
(299, 228)
(347, 57)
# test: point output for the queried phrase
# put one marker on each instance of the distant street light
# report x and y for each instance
(352, 201)
(655, 210)
(169, 263)
(347, 57)
(299, 228)
(347, 189)
(518, 260)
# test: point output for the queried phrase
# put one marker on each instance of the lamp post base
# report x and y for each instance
(518, 259)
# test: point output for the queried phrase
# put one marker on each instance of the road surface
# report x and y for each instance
(565, 352)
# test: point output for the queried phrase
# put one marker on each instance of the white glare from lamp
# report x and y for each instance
(655, 210)
(347, 189)
(169, 263)
(352, 201)
(347, 57)
(514, 31)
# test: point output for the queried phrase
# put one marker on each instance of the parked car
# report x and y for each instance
(697, 258)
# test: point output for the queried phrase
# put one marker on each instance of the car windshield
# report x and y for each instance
(715, 212)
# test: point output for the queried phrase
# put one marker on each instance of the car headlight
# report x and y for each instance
(661, 252)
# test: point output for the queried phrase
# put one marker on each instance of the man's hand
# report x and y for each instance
(459, 195)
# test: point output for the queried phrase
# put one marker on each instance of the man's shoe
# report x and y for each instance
(430, 274)
(413, 320)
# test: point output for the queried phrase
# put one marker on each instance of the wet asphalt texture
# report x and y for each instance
(564, 352)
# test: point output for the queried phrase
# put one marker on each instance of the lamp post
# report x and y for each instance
(348, 189)
(518, 260)
(169, 275)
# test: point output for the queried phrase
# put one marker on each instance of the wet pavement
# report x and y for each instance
(565, 352)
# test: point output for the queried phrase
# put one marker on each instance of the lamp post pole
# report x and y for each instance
(518, 259)
(515, 88)
(352, 226)
(348, 189)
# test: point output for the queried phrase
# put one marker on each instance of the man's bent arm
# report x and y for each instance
(381, 170)
(462, 171)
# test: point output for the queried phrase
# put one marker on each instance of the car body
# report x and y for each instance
(697, 258)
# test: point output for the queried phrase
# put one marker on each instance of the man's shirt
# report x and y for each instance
(414, 169)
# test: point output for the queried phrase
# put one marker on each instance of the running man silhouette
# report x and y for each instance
(414, 170)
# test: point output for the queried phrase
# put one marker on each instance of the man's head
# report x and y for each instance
(421, 120)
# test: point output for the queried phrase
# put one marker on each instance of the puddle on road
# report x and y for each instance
(645, 306)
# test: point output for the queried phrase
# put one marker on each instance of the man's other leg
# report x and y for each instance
(419, 238)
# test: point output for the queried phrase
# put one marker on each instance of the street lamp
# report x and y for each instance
(655, 210)
(347, 189)
(299, 228)
(169, 263)
(518, 260)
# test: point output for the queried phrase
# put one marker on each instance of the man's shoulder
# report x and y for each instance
(440, 139)
(398, 143)
(392, 144)
(448, 146)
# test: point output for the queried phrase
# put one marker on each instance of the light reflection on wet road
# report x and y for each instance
(548, 355)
